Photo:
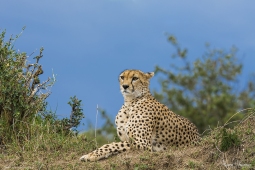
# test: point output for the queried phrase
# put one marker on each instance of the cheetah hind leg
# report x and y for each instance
(106, 151)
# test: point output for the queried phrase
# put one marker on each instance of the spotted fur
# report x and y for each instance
(143, 122)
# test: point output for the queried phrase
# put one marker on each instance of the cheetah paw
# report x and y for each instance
(88, 157)
(84, 158)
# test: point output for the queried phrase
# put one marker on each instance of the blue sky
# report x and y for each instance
(89, 42)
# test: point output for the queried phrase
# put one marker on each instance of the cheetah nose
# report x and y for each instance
(125, 86)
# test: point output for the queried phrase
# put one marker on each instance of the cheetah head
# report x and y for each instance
(134, 83)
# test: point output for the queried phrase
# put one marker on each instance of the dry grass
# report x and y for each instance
(64, 152)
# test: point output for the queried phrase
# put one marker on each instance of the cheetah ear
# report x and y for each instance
(149, 75)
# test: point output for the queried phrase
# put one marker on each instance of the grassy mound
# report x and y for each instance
(222, 148)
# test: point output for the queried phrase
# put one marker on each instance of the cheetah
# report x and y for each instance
(143, 122)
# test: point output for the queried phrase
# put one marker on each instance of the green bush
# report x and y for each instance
(66, 125)
(206, 91)
(20, 85)
(229, 140)
(23, 94)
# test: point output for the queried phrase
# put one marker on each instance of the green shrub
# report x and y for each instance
(22, 94)
(205, 90)
(229, 140)
(67, 125)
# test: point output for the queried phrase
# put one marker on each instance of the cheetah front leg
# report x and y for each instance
(106, 151)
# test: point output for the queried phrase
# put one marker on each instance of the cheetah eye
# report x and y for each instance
(134, 78)
(122, 77)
